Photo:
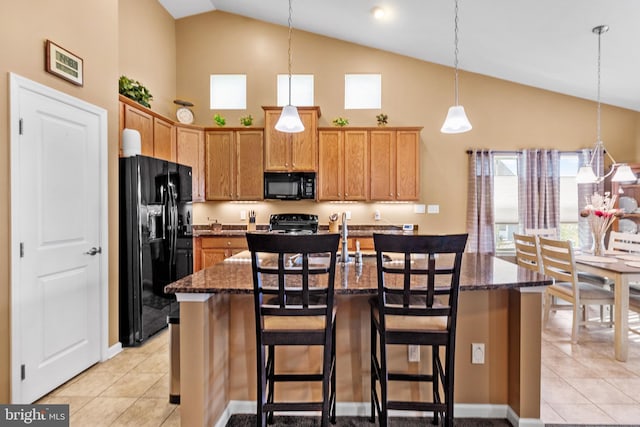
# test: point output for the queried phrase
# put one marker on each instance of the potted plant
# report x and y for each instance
(382, 119)
(135, 90)
(246, 120)
(220, 121)
(340, 121)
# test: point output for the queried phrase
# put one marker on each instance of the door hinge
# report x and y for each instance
(21, 250)
(23, 372)
(20, 126)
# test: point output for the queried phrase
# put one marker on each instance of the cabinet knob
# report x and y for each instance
(346, 194)
(390, 194)
(228, 243)
(339, 195)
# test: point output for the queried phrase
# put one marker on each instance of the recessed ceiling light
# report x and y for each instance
(378, 12)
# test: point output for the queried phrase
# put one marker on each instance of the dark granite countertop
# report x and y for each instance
(479, 272)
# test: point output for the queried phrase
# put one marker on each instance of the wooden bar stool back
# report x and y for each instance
(293, 283)
(417, 304)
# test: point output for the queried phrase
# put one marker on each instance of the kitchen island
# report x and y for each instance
(500, 306)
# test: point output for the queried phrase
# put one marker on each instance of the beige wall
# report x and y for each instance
(504, 115)
(147, 50)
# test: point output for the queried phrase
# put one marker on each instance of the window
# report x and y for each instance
(505, 200)
(228, 91)
(301, 90)
(362, 91)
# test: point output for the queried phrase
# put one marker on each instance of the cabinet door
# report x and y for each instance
(407, 168)
(276, 150)
(212, 256)
(164, 140)
(355, 164)
(190, 152)
(330, 148)
(381, 165)
(304, 144)
(219, 156)
(248, 170)
(143, 123)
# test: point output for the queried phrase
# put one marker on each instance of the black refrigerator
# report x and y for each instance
(156, 245)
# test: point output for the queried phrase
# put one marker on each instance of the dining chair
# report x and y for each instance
(293, 286)
(559, 263)
(416, 304)
(527, 253)
(629, 243)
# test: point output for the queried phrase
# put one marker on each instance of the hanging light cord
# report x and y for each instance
(455, 51)
(289, 51)
(599, 144)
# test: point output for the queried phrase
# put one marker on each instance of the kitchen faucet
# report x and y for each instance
(344, 256)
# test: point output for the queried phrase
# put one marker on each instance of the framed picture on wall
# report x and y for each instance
(64, 64)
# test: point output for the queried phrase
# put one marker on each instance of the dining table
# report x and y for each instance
(623, 268)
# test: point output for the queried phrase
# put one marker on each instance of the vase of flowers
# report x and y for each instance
(601, 214)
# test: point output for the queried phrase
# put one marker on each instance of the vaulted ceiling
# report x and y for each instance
(547, 44)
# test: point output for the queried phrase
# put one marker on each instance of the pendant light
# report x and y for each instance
(622, 171)
(289, 120)
(456, 121)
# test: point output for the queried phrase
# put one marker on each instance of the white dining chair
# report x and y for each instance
(527, 253)
(559, 263)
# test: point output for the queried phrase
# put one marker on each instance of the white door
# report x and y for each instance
(56, 221)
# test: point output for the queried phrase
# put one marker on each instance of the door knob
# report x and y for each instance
(94, 251)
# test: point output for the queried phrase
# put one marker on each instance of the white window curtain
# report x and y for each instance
(480, 215)
(539, 189)
(584, 193)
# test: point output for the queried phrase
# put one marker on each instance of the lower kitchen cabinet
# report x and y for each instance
(210, 250)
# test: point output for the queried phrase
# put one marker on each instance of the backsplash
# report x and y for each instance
(228, 213)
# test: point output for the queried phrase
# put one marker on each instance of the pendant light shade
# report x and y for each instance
(622, 171)
(623, 174)
(289, 120)
(456, 121)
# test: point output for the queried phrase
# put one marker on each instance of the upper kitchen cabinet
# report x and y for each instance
(190, 152)
(157, 135)
(164, 140)
(233, 164)
(395, 164)
(343, 164)
(291, 151)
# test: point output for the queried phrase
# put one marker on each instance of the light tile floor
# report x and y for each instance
(583, 383)
(580, 383)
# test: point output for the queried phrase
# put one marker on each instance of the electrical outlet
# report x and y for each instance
(243, 215)
(433, 209)
(419, 209)
(376, 216)
(477, 353)
(348, 214)
(414, 353)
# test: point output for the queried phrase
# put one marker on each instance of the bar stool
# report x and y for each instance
(293, 284)
(417, 304)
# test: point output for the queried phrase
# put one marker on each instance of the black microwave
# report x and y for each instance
(290, 185)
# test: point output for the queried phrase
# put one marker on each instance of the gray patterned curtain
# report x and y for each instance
(585, 191)
(539, 189)
(480, 215)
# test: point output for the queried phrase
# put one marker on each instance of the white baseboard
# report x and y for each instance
(113, 350)
(363, 409)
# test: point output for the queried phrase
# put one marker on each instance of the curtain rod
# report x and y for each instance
(519, 151)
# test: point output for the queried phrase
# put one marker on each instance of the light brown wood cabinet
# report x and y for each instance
(157, 134)
(190, 152)
(210, 250)
(291, 151)
(136, 118)
(233, 164)
(164, 140)
(343, 172)
(395, 164)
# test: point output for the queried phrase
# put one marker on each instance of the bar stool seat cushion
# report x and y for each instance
(293, 323)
